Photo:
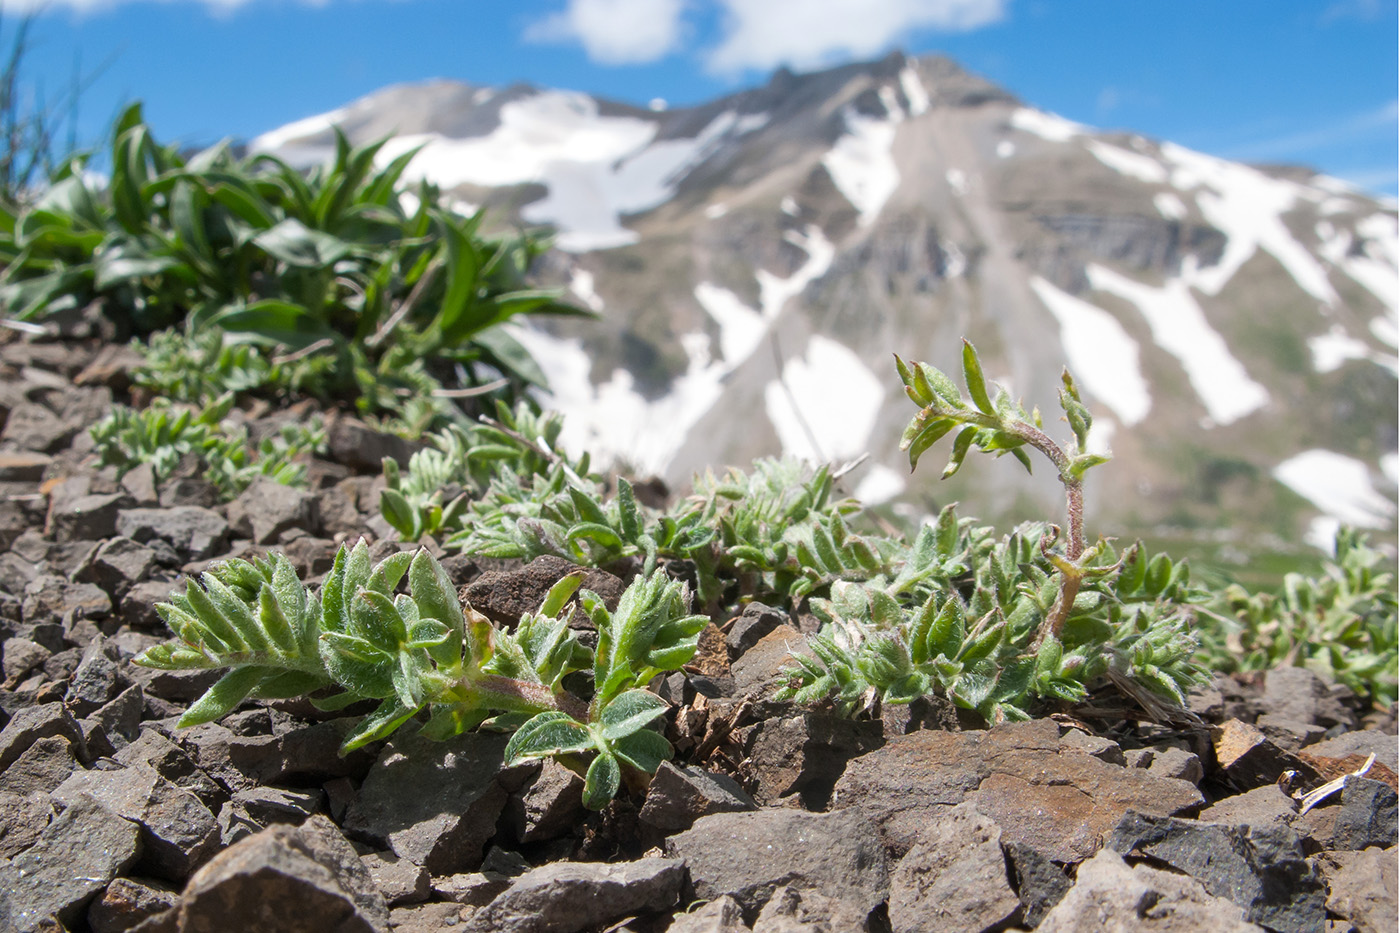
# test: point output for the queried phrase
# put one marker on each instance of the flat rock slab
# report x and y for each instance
(178, 833)
(1111, 896)
(1044, 795)
(567, 897)
(1362, 889)
(954, 879)
(74, 858)
(302, 880)
(433, 803)
(1262, 869)
(749, 855)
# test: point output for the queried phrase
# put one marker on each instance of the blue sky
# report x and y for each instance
(1257, 80)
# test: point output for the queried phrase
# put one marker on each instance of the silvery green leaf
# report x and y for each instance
(548, 733)
(601, 783)
(222, 698)
(377, 725)
(629, 711)
(643, 750)
(976, 383)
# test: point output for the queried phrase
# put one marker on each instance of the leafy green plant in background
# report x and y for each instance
(1341, 624)
(165, 434)
(350, 294)
(419, 651)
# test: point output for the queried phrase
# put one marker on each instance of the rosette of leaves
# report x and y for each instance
(163, 435)
(1340, 624)
(420, 652)
(649, 634)
(508, 451)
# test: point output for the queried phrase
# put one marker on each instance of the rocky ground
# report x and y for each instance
(773, 818)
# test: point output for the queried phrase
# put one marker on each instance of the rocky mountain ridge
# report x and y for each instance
(756, 259)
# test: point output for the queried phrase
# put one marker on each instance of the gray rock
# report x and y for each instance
(43, 766)
(87, 518)
(1363, 742)
(1108, 895)
(119, 721)
(1262, 806)
(505, 595)
(75, 857)
(306, 879)
(22, 820)
(127, 902)
(1053, 799)
(23, 466)
(178, 833)
(302, 755)
(428, 918)
(804, 754)
(680, 794)
(547, 807)
(267, 508)
(1040, 883)
(954, 878)
(1094, 745)
(137, 606)
(362, 448)
(797, 910)
(236, 825)
(1367, 816)
(760, 666)
(139, 483)
(569, 897)
(435, 803)
(188, 491)
(1362, 889)
(1288, 734)
(399, 880)
(117, 565)
(21, 657)
(51, 598)
(749, 855)
(33, 723)
(194, 532)
(97, 680)
(755, 622)
(475, 888)
(1177, 764)
(173, 764)
(721, 915)
(1262, 869)
(34, 427)
(269, 805)
(1298, 695)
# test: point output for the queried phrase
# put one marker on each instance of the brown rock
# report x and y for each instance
(1050, 798)
(1250, 759)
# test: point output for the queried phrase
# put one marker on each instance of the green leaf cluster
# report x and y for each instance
(1340, 624)
(164, 434)
(414, 650)
(973, 637)
(381, 295)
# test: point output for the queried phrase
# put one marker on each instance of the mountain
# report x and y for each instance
(756, 260)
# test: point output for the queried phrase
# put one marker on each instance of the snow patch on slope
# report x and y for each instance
(596, 168)
(861, 164)
(837, 400)
(1100, 353)
(1046, 125)
(1179, 326)
(1133, 164)
(1248, 207)
(615, 422)
(914, 92)
(1339, 486)
(1169, 205)
(1336, 347)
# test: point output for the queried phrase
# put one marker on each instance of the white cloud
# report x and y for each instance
(761, 34)
(615, 32)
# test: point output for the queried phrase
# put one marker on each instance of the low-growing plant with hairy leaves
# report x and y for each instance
(420, 651)
(163, 435)
(1022, 619)
(1341, 624)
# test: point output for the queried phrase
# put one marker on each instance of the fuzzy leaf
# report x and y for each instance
(548, 733)
(628, 712)
(643, 750)
(602, 781)
(222, 698)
